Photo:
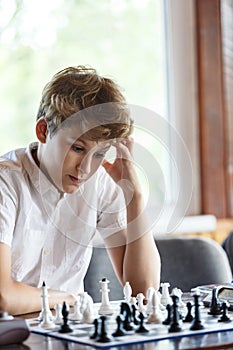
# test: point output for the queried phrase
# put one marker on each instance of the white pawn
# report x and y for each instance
(88, 314)
(156, 314)
(127, 290)
(76, 315)
(58, 314)
(165, 297)
(105, 308)
(46, 312)
(140, 297)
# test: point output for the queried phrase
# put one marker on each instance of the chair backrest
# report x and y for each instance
(228, 247)
(186, 263)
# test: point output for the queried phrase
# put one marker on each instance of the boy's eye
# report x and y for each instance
(99, 155)
(77, 148)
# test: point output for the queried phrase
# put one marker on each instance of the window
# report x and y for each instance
(133, 41)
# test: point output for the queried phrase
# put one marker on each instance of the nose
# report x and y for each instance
(85, 165)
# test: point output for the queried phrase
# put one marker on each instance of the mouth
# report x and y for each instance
(75, 180)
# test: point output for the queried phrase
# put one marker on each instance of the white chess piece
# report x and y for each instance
(149, 294)
(58, 314)
(165, 297)
(46, 312)
(140, 297)
(156, 315)
(105, 308)
(127, 291)
(88, 314)
(76, 315)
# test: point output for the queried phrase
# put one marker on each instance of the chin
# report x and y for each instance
(71, 189)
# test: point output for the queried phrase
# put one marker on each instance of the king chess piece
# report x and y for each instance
(105, 307)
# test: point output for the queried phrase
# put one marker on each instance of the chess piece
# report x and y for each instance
(189, 316)
(127, 316)
(165, 297)
(140, 299)
(105, 308)
(225, 317)
(96, 326)
(149, 295)
(88, 314)
(103, 337)
(65, 328)
(175, 324)
(215, 305)
(141, 328)
(58, 314)
(168, 320)
(119, 332)
(76, 315)
(196, 324)
(46, 321)
(127, 291)
(155, 314)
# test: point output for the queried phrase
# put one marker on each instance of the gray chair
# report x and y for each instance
(186, 263)
(228, 247)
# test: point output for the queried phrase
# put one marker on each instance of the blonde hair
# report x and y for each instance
(76, 89)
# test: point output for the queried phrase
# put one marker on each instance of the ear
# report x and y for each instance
(41, 130)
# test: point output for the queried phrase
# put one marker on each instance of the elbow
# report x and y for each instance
(4, 304)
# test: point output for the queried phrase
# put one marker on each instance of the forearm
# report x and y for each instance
(141, 265)
(18, 298)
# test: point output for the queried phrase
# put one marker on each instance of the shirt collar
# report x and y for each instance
(39, 180)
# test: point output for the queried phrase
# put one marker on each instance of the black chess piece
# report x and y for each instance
(189, 317)
(134, 317)
(103, 337)
(168, 320)
(119, 331)
(196, 324)
(215, 305)
(127, 315)
(96, 326)
(65, 328)
(225, 317)
(141, 328)
(175, 324)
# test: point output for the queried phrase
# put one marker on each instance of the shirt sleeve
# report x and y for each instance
(112, 209)
(7, 210)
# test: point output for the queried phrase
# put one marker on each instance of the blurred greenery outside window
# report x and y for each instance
(122, 39)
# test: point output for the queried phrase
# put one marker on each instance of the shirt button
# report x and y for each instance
(46, 251)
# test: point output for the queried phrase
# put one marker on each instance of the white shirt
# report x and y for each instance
(50, 232)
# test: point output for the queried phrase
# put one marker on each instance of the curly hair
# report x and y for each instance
(76, 89)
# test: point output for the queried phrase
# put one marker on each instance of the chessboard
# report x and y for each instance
(116, 330)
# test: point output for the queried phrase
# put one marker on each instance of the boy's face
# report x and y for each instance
(68, 161)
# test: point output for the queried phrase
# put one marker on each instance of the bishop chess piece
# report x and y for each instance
(215, 305)
(65, 328)
(225, 317)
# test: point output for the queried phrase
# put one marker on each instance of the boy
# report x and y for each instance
(58, 192)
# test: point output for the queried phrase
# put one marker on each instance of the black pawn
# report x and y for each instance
(189, 316)
(168, 320)
(103, 336)
(224, 317)
(141, 328)
(175, 325)
(119, 331)
(96, 325)
(196, 324)
(65, 328)
(215, 305)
